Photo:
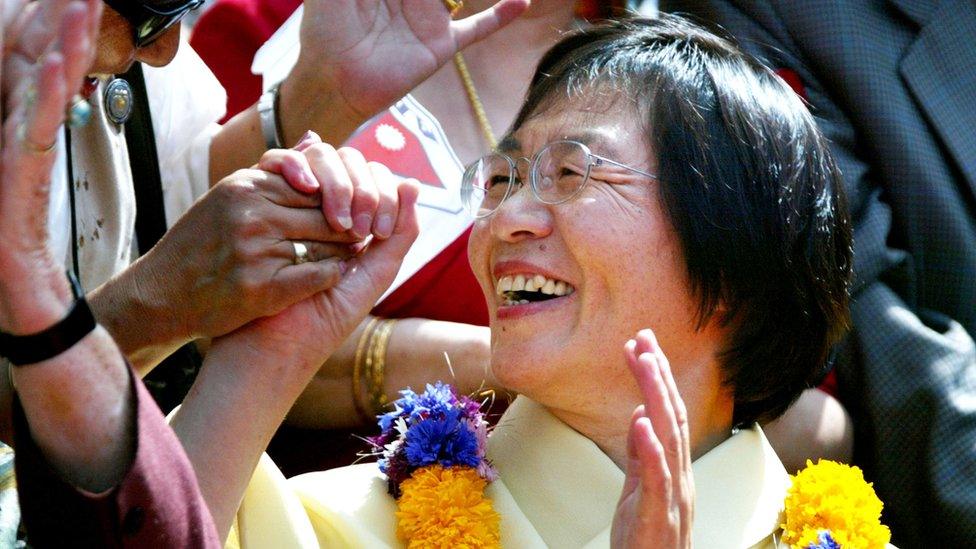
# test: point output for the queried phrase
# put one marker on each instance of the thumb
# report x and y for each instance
(476, 27)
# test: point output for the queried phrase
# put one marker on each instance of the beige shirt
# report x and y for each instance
(556, 489)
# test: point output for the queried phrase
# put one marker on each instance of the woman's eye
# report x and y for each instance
(497, 181)
(567, 171)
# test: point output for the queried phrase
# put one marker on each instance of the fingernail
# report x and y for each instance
(363, 222)
(345, 220)
(308, 138)
(384, 226)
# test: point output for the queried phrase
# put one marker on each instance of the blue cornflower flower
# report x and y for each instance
(443, 440)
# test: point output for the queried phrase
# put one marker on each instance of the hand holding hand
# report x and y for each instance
(357, 195)
(312, 329)
(656, 506)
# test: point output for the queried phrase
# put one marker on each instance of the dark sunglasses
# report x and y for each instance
(149, 23)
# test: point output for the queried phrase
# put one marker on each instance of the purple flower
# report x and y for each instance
(824, 541)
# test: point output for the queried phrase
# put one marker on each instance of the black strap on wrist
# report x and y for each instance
(21, 350)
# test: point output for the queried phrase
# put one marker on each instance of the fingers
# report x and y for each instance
(374, 271)
(310, 138)
(656, 486)
(293, 166)
(77, 39)
(664, 413)
(648, 339)
(297, 282)
(44, 117)
(365, 196)
(475, 27)
(337, 187)
(386, 208)
(308, 224)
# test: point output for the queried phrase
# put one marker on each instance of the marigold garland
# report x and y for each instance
(432, 450)
(830, 505)
(446, 507)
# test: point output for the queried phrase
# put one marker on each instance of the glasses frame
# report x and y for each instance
(139, 15)
(593, 159)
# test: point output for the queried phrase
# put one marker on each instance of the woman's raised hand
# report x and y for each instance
(373, 52)
(47, 46)
(656, 506)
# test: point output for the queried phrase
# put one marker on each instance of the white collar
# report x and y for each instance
(568, 488)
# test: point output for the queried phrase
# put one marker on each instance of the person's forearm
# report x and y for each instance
(79, 408)
(228, 419)
(136, 314)
(304, 103)
(415, 355)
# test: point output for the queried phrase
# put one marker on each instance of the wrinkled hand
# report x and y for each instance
(33, 28)
(47, 46)
(373, 52)
(313, 328)
(656, 506)
(231, 257)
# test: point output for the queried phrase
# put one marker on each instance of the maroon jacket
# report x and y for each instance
(157, 504)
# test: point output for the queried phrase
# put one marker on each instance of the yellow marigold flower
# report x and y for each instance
(446, 507)
(835, 497)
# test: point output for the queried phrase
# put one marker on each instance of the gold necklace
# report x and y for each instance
(477, 106)
(475, 100)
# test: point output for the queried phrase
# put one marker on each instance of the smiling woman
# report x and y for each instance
(656, 177)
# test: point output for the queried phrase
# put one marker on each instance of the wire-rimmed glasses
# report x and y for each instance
(557, 173)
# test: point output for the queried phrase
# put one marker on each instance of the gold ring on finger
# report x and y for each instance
(301, 253)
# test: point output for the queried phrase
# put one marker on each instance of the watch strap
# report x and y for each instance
(268, 112)
(22, 350)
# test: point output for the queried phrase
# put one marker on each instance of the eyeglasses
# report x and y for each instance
(557, 174)
(150, 23)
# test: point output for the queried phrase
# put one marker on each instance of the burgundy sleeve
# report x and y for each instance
(157, 504)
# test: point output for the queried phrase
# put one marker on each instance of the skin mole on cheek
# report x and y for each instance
(542, 247)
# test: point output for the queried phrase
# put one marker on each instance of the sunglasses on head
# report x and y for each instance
(148, 22)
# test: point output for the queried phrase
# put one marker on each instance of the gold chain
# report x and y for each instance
(472, 92)
(475, 100)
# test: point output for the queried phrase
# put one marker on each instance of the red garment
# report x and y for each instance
(444, 289)
(228, 35)
(157, 504)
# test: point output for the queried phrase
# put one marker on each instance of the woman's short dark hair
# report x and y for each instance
(748, 183)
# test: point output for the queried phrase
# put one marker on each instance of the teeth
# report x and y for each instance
(532, 283)
(518, 284)
(505, 285)
(549, 288)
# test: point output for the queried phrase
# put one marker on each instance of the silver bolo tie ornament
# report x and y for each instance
(118, 101)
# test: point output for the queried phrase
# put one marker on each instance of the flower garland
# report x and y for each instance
(831, 506)
(432, 451)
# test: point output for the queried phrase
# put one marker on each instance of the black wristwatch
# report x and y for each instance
(22, 350)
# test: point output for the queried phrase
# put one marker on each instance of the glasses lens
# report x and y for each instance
(152, 23)
(486, 184)
(560, 171)
(153, 26)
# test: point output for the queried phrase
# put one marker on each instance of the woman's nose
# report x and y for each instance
(521, 216)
